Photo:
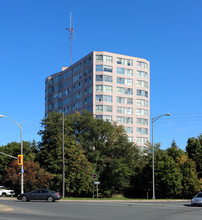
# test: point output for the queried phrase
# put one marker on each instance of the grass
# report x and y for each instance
(114, 198)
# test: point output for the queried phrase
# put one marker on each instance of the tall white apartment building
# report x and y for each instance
(113, 87)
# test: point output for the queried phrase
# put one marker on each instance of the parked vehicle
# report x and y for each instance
(6, 192)
(197, 200)
(40, 194)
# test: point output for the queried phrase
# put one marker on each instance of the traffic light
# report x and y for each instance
(20, 159)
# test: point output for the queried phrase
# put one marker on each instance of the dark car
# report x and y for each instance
(40, 194)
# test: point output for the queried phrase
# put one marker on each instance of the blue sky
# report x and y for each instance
(34, 44)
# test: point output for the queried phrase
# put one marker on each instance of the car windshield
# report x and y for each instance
(4, 188)
(199, 195)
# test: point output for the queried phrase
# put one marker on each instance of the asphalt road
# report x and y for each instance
(98, 210)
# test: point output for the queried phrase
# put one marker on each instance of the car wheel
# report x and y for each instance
(3, 195)
(51, 199)
(24, 199)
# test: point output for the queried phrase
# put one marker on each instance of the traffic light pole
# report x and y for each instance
(22, 170)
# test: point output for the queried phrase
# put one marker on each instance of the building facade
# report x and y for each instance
(113, 87)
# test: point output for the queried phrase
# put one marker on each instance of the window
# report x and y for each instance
(124, 100)
(121, 90)
(107, 108)
(129, 130)
(66, 101)
(142, 121)
(99, 68)
(142, 65)
(120, 119)
(104, 58)
(120, 70)
(120, 110)
(99, 108)
(77, 86)
(142, 83)
(120, 99)
(125, 62)
(105, 98)
(107, 68)
(105, 117)
(123, 71)
(103, 108)
(123, 110)
(88, 61)
(105, 88)
(59, 77)
(142, 131)
(142, 102)
(104, 68)
(120, 80)
(66, 84)
(142, 74)
(142, 93)
(88, 100)
(142, 140)
(77, 77)
(99, 57)
(130, 139)
(66, 92)
(77, 105)
(129, 82)
(88, 80)
(143, 112)
(128, 91)
(77, 68)
(99, 78)
(108, 59)
(129, 101)
(107, 78)
(76, 96)
(128, 72)
(88, 90)
(104, 78)
(129, 111)
(67, 74)
(129, 120)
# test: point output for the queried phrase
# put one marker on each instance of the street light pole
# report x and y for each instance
(22, 171)
(63, 158)
(153, 173)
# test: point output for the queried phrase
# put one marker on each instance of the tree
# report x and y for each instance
(174, 151)
(14, 149)
(190, 182)
(78, 170)
(194, 150)
(167, 175)
(34, 176)
(103, 146)
(107, 147)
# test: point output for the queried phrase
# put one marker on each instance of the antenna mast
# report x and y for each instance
(71, 30)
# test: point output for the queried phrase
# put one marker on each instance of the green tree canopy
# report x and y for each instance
(78, 170)
(194, 150)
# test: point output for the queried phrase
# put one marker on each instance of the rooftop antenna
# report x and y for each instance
(71, 30)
